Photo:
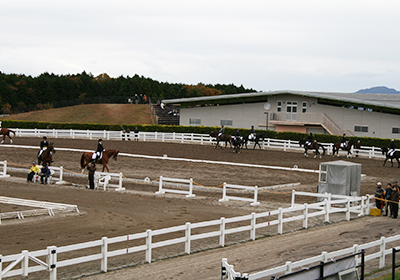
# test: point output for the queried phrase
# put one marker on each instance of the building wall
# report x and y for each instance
(245, 115)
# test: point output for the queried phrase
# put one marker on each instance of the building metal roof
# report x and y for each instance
(376, 99)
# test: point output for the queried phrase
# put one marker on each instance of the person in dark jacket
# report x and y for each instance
(394, 201)
(310, 139)
(99, 152)
(43, 147)
(44, 173)
(92, 168)
(388, 190)
(392, 148)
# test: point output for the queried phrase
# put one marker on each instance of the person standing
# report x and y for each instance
(128, 134)
(136, 131)
(379, 194)
(394, 201)
(92, 168)
(387, 196)
(34, 170)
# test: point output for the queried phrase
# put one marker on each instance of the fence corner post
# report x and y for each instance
(148, 244)
(52, 259)
(104, 251)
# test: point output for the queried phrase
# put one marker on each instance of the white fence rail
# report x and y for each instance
(226, 197)
(377, 251)
(182, 182)
(3, 173)
(102, 179)
(49, 208)
(179, 137)
(251, 223)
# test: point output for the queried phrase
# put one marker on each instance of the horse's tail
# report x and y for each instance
(83, 161)
(12, 131)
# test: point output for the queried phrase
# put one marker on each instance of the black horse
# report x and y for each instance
(256, 140)
(338, 145)
(313, 146)
(237, 142)
(395, 155)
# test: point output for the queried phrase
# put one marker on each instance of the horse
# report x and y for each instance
(395, 155)
(6, 132)
(256, 140)
(224, 138)
(47, 155)
(338, 145)
(313, 146)
(107, 154)
(237, 142)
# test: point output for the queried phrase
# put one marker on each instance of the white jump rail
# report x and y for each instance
(188, 231)
(226, 197)
(3, 174)
(102, 179)
(377, 250)
(47, 208)
(182, 182)
(60, 172)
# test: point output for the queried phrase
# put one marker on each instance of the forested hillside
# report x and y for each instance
(20, 93)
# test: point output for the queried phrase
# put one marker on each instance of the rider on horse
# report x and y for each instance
(221, 131)
(43, 147)
(99, 152)
(392, 149)
(310, 139)
(252, 133)
(344, 141)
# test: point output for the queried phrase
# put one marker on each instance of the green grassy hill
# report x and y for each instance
(91, 113)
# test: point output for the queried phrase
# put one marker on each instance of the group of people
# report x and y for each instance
(43, 172)
(237, 133)
(387, 200)
(126, 134)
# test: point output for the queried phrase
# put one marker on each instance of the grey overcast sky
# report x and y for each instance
(310, 45)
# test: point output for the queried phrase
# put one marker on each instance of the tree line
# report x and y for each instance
(21, 93)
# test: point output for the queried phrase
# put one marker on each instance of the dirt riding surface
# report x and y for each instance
(137, 209)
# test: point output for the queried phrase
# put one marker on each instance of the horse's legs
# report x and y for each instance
(385, 161)
(398, 163)
(4, 138)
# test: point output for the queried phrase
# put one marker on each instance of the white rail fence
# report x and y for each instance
(47, 259)
(377, 250)
(180, 137)
(226, 197)
(102, 179)
(182, 183)
(3, 173)
(49, 208)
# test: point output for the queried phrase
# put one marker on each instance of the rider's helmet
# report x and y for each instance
(44, 138)
(310, 133)
(100, 140)
(392, 140)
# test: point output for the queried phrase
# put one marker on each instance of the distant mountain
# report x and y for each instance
(379, 90)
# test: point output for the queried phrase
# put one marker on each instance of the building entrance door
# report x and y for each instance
(291, 110)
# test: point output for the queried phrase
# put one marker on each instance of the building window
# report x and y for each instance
(226, 122)
(195, 121)
(360, 128)
(279, 106)
(304, 107)
(395, 130)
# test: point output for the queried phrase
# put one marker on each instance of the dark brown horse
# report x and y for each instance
(47, 155)
(224, 138)
(6, 132)
(338, 145)
(313, 146)
(107, 154)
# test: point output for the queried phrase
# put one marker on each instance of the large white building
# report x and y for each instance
(365, 115)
